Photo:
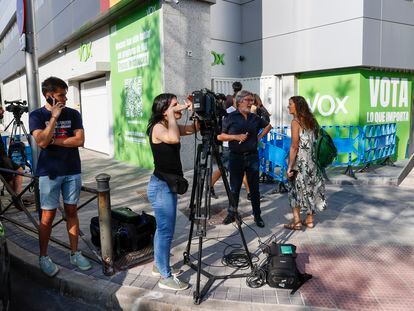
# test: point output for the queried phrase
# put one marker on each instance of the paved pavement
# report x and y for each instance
(361, 252)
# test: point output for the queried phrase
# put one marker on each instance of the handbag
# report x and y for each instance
(176, 183)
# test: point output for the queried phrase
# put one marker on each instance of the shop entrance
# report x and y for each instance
(95, 115)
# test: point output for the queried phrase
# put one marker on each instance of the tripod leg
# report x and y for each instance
(197, 297)
(232, 203)
(192, 207)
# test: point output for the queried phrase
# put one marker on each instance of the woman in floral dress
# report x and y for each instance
(306, 184)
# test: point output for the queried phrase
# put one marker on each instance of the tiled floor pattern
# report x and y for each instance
(346, 277)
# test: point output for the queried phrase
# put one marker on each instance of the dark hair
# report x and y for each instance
(304, 114)
(237, 86)
(159, 106)
(51, 84)
(229, 101)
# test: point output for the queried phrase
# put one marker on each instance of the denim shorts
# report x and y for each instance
(50, 190)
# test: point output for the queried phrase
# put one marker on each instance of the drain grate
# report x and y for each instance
(133, 259)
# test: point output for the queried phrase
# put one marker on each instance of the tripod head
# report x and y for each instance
(17, 108)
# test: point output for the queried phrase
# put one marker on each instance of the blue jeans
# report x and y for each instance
(249, 164)
(50, 190)
(164, 204)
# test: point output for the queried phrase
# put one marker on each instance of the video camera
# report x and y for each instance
(16, 107)
(209, 109)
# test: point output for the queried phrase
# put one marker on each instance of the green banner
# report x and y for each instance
(332, 97)
(387, 98)
(361, 97)
(136, 80)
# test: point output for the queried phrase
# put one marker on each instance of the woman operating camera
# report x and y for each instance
(164, 136)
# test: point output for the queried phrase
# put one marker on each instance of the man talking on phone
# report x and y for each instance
(58, 131)
(241, 129)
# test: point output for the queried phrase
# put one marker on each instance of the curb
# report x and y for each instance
(110, 296)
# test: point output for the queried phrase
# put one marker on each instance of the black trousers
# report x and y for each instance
(249, 164)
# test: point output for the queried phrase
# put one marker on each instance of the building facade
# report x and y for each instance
(116, 56)
(351, 59)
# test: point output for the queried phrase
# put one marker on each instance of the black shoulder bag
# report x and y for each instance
(176, 183)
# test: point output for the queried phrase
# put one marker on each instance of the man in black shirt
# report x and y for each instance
(241, 129)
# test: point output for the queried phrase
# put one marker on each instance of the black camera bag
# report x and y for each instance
(130, 231)
(281, 270)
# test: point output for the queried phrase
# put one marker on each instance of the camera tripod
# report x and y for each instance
(18, 125)
(17, 128)
(200, 210)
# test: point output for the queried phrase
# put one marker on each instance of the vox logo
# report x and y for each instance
(85, 51)
(327, 105)
(218, 58)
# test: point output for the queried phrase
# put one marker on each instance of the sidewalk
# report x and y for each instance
(361, 252)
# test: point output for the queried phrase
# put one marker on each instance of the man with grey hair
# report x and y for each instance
(241, 129)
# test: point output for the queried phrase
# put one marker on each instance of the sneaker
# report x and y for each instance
(213, 193)
(259, 221)
(229, 219)
(77, 259)
(173, 283)
(47, 266)
(175, 272)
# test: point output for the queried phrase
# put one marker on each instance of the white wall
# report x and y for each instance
(226, 37)
(389, 34)
(283, 37)
(8, 9)
(65, 66)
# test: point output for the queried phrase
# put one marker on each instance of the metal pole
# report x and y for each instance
(32, 71)
(105, 227)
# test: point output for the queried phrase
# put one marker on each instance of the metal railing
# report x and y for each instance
(102, 194)
(356, 146)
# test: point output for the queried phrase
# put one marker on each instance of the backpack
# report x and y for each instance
(131, 231)
(325, 150)
(17, 153)
(281, 269)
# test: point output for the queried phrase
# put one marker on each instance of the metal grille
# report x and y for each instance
(133, 259)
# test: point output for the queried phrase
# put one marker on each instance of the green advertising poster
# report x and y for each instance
(136, 80)
(387, 98)
(361, 97)
(332, 97)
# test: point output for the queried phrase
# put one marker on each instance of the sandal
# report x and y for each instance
(309, 225)
(293, 226)
(309, 221)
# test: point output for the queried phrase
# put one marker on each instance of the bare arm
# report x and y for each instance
(264, 132)
(170, 135)
(43, 137)
(189, 129)
(75, 141)
(229, 137)
(294, 146)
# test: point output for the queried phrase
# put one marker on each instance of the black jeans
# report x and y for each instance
(249, 164)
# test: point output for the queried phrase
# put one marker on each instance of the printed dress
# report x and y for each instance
(307, 191)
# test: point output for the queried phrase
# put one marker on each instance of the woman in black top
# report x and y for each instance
(164, 134)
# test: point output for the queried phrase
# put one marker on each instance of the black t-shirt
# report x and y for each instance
(166, 158)
(57, 160)
(235, 124)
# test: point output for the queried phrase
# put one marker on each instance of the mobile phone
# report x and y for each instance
(293, 177)
(51, 100)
